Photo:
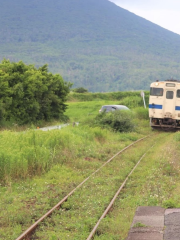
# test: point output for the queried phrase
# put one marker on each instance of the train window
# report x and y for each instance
(169, 94)
(156, 91)
(178, 93)
(170, 84)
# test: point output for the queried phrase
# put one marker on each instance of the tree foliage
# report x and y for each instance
(29, 94)
(80, 90)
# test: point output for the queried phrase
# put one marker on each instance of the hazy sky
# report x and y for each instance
(165, 13)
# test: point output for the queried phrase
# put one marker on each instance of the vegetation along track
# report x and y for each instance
(78, 215)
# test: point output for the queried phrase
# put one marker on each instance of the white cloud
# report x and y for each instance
(164, 13)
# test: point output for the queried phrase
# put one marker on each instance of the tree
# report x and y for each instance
(80, 90)
(28, 94)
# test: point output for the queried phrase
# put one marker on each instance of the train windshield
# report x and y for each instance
(156, 91)
(178, 93)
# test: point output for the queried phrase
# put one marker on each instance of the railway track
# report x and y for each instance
(28, 233)
(114, 198)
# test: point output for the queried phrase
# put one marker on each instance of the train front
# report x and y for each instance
(164, 104)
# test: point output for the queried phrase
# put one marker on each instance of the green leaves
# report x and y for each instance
(28, 94)
(120, 121)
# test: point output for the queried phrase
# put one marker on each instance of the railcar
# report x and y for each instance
(164, 104)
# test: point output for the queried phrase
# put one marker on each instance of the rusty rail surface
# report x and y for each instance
(114, 198)
(27, 233)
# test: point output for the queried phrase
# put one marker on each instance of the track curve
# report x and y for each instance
(26, 234)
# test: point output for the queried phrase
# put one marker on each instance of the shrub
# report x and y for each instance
(80, 90)
(120, 121)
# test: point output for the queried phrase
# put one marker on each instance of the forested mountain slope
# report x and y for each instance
(92, 43)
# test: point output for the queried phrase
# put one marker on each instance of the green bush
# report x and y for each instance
(120, 121)
(80, 90)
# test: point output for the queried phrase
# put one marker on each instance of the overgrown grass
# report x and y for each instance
(25, 154)
(69, 155)
(38, 168)
(142, 113)
(147, 186)
(154, 183)
(29, 153)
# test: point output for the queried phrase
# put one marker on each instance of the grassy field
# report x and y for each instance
(80, 213)
(83, 106)
(79, 152)
(37, 169)
(80, 111)
(155, 182)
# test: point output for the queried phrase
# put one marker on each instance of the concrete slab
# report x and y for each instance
(172, 224)
(149, 211)
(153, 221)
(148, 224)
(146, 229)
(145, 236)
(172, 210)
(172, 219)
(172, 233)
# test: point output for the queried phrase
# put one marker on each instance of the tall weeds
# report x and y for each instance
(25, 154)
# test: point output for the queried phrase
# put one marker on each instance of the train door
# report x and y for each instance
(169, 103)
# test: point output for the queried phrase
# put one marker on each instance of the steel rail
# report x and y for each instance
(114, 198)
(26, 233)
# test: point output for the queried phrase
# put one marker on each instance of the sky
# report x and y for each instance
(165, 13)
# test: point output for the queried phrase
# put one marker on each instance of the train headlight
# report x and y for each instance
(156, 84)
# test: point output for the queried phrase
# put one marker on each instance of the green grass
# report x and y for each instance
(139, 224)
(155, 182)
(73, 152)
(80, 111)
(37, 169)
(25, 154)
(147, 186)
(132, 97)
(152, 184)
(29, 153)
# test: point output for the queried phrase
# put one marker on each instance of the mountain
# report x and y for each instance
(92, 43)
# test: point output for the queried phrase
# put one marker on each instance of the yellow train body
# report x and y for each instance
(164, 104)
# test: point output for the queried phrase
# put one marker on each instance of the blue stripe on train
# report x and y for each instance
(155, 106)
